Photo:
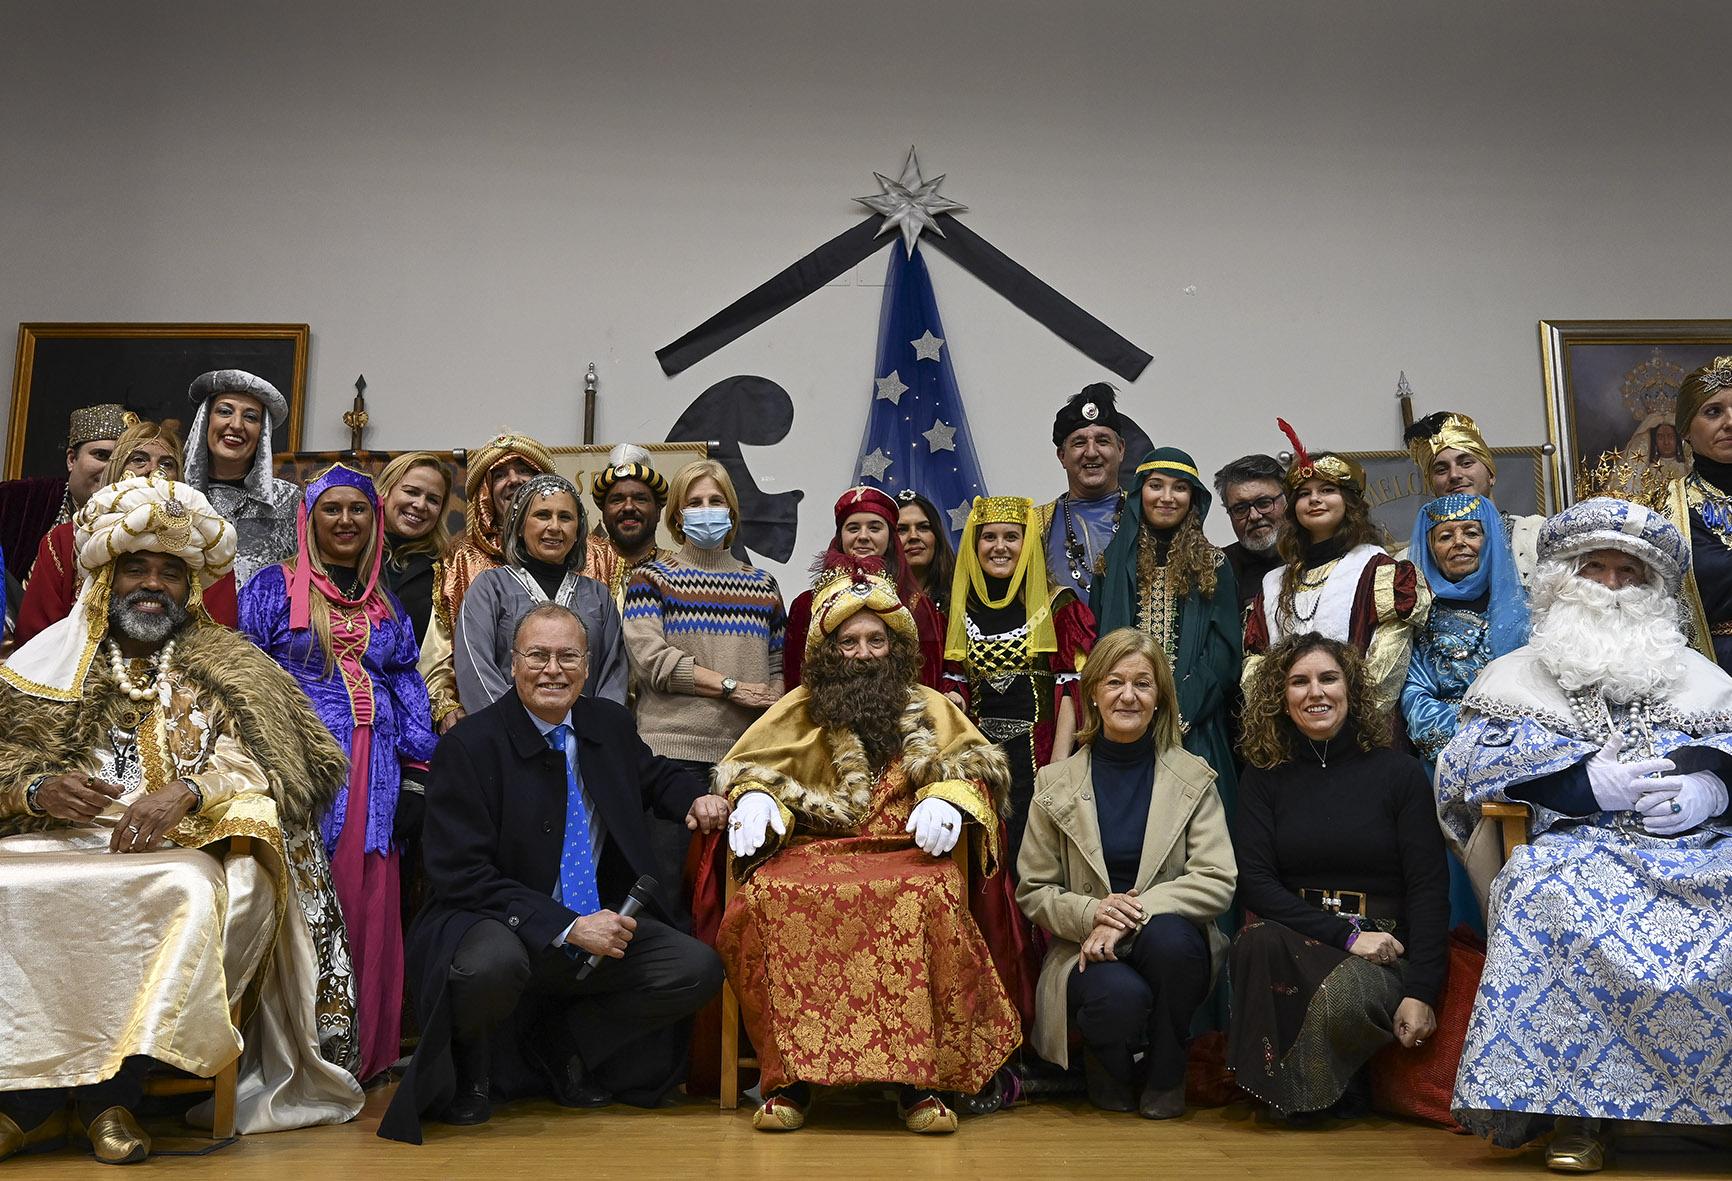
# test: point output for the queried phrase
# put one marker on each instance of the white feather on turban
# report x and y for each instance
(140, 514)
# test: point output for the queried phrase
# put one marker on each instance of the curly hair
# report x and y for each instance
(1191, 561)
(1268, 731)
(1295, 545)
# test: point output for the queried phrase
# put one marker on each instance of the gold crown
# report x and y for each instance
(1001, 510)
(1651, 387)
(1623, 477)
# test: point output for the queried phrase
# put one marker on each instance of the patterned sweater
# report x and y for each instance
(700, 607)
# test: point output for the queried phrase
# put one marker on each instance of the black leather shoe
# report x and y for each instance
(1161, 1102)
(567, 1080)
(471, 1104)
(1105, 1091)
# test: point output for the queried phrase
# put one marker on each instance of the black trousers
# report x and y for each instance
(124, 1088)
(617, 1021)
(1144, 1000)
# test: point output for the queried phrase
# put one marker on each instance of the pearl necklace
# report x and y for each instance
(159, 688)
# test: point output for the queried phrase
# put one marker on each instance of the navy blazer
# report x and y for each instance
(496, 805)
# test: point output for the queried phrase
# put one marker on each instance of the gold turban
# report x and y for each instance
(484, 517)
(1457, 431)
(842, 594)
(1698, 388)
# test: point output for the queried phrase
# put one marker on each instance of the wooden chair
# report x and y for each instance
(1512, 820)
(732, 1063)
(222, 1085)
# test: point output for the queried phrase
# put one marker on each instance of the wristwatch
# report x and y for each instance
(728, 687)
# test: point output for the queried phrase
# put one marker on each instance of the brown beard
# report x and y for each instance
(865, 696)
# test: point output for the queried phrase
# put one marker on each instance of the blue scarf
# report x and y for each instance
(1507, 604)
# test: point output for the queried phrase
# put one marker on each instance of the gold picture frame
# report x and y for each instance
(1613, 384)
(144, 367)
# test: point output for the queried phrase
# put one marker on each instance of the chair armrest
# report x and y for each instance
(1512, 819)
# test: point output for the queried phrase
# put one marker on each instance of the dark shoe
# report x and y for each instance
(566, 1078)
(1106, 1091)
(1161, 1102)
(1355, 1101)
(49, 1134)
(471, 1104)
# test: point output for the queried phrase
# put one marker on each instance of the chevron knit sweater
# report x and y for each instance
(700, 607)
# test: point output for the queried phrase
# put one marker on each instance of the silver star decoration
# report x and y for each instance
(874, 465)
(959, 516)
(927, 347)
(910, 203)
(891, 388)
(940, 437)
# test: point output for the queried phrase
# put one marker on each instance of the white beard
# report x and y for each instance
(1625, 643)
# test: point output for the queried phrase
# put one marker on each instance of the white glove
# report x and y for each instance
(1676, 803)
(753, 813)
(935, 824)
(1617, 785)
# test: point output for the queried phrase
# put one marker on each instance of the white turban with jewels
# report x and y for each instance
(149, 514)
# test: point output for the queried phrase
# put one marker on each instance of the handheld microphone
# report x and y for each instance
(641, 895)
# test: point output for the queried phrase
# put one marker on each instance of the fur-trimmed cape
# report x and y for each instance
(270, 714)
(823, 775)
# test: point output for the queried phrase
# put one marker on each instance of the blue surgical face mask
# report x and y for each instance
(706, 528)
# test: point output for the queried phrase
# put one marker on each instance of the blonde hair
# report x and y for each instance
(682, 483)
(318, 606)
(1109, 651)
(143, 431)
(437, 542)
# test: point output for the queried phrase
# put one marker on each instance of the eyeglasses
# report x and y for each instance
(537, 659)
(1260, 506)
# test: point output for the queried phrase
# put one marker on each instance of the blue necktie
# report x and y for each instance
(577, 864)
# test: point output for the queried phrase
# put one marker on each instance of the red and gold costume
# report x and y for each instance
(480, 550)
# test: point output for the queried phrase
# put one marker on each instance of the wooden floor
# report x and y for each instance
(852, 1135)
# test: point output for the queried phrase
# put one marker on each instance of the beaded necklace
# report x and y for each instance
(1076, 553)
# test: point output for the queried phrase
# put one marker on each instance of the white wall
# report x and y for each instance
(469, 202)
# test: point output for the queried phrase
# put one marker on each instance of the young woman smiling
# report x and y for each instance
(414, 490)
(1342, 861)
(1337, 577)
(229, 460)
(327, 618)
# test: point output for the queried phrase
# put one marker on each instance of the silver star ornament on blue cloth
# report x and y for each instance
(910, 203)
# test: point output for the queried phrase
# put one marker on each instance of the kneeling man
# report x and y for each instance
(137, 739)
(535, 815)
(851, 944)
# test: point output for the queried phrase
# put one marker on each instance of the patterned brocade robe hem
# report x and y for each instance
(853, 952)
(1607, 987)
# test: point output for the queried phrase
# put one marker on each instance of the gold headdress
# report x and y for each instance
(1326, 465)
(1028, 579)
(1697, 388)
(843, 591)
(1454, 430)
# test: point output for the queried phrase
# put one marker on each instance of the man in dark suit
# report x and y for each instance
(535, 815)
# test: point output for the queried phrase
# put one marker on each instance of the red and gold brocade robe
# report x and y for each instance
(853, 952)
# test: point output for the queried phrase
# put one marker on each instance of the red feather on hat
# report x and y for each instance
(1301, 457)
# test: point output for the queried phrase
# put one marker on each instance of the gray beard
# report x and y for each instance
(126, 619)
(1264, 546)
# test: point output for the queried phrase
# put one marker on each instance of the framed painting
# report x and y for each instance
(143, 367)
(1612, 385)
(1395, 488)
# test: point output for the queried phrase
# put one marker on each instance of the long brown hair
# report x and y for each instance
(1191, 560)
(1268, 731)
(1109, 650)
(1295, 545)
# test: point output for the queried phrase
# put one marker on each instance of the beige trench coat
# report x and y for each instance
(1187, 869)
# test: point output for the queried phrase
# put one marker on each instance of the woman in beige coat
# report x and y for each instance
(1126, 863)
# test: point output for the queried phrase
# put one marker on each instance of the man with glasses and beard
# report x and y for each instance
(136, 739)
(630, 494)
(1253, 490)
(1608, 979)
(849, 795)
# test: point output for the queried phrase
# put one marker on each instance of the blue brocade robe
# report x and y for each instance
(402, 717)
(1607, 990)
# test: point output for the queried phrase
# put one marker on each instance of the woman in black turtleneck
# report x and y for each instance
(1164, 579)
(544, 561)
(414, 493)
(1126, 864)
(1342, 862)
